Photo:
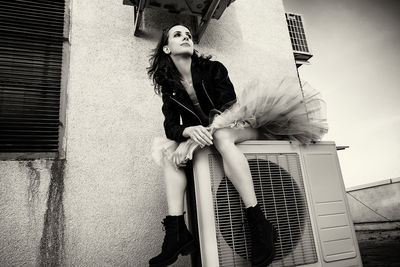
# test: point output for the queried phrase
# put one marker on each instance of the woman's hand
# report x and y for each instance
(178, 158)
(199, 134)
(183, 153)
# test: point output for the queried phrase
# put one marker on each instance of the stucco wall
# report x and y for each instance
(375, 206)
(23, 206)
(113, 194)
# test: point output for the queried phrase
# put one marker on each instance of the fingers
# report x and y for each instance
(175, 161)
(202, 136)
(201, 141)
(178, 160)
(199, 134)
(208, 133)
(205, 135)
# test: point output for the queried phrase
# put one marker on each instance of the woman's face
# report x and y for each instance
(179, 41)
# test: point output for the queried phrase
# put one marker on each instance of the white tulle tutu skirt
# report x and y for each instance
(286, 112)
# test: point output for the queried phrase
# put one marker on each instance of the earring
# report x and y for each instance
(166, 50)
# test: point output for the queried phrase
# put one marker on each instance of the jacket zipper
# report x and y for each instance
(179, 103)
(205, 91)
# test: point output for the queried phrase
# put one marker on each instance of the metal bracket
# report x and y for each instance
(138, 10)
(199, 28)
(199, 24)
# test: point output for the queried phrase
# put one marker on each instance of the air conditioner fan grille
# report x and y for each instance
(279, 188)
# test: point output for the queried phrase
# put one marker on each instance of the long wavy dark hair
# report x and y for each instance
(162, 70)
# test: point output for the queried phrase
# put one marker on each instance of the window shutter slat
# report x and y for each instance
(35, 17)
(40, 9)
(36, 41)
(38, 90)
(32, 72)
(29, 125)
(33, 113)
(34, 60)
(22, 60)
(16, 104)
(28, 96)
(30, 5)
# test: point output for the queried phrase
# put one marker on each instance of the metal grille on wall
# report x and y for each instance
(279, 189)
(296, 31)
(300, 46)
(31, 42)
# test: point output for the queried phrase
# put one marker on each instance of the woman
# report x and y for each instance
(193, 89)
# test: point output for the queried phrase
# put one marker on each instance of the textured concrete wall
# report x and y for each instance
(113, 194)
(376, 205)
(23, 197)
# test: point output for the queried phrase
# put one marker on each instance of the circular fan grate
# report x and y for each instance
(279, 197)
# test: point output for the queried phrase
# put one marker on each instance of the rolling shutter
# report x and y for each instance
(31, 42)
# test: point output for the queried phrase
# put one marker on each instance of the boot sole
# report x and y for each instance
(271, 257)
(267, 260)
(187, 249)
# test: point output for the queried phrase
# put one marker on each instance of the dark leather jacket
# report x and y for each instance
(214, 91)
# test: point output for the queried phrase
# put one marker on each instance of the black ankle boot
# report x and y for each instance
(178, 240)
(263, 237)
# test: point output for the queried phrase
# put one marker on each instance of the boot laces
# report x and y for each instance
(164, 228)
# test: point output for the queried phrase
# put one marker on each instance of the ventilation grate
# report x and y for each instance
(279, 188)
(296, 32)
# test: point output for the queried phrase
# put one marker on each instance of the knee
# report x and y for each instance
(223, 139)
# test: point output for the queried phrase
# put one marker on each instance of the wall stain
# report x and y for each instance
(52, 245)
(33, 191)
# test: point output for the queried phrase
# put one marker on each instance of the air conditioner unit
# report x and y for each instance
(299, 188)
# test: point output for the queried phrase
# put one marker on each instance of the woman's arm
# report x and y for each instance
(224, 90)
(175, 131)
(172, 127)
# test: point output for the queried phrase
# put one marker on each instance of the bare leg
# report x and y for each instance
(236, 166)
(175, 186)
(178, 239)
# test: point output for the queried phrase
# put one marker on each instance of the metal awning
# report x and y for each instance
(200, 10)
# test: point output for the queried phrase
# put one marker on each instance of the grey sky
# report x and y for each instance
(356, 66)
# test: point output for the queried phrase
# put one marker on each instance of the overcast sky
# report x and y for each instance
(356, 66)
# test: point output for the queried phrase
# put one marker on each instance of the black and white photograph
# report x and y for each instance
(200, 133)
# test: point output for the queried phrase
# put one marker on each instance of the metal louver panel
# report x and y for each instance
(31, 42)
(296, 32)
(279, 188)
